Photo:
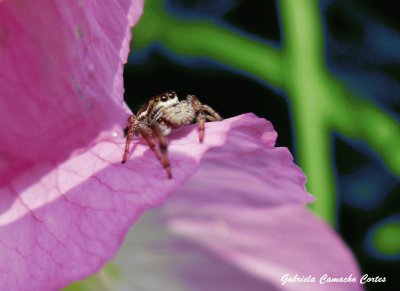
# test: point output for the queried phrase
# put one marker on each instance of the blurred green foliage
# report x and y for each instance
(104, 280)
(386, 239)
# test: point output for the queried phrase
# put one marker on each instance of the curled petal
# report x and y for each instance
(63, 222)
(239, 223)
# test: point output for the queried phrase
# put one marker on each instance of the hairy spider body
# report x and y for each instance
(160, 115)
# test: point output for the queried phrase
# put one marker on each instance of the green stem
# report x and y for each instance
(303, 52)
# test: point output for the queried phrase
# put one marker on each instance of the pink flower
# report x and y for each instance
(67, 202)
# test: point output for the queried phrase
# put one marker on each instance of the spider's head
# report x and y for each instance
(166, 99)
(156, 104)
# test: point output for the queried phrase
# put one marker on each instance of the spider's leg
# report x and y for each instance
(212, 115)
(163, 143)
(205, 113)
(148, 136)
(201, 120)
(129, 137)
(127, 144)
(200, 116)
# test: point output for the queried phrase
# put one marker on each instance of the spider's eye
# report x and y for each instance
(164, 98)
(171, 94)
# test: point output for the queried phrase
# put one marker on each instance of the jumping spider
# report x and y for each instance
(163, 113)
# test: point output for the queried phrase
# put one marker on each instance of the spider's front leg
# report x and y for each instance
(135, 127)
(129, 137)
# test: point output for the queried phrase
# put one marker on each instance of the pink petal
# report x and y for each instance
(256, 248)
(60, 77)
(243, 216)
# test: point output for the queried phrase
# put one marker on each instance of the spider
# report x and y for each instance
(160, 115)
